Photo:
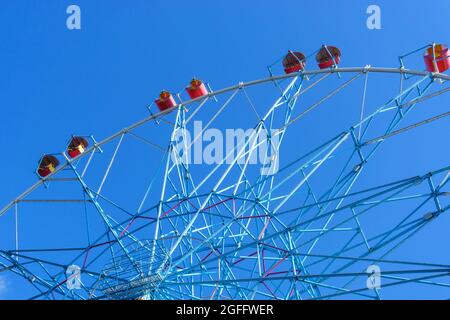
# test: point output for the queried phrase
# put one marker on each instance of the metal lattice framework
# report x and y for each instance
(225, 230)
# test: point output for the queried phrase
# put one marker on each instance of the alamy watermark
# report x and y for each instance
(374, 277)
(73, 274)
(73, 21)
(234, 146)
(374, 20)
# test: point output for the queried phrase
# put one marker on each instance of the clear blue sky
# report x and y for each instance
(55, 82)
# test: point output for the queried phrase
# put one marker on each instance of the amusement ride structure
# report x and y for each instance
(325, 213)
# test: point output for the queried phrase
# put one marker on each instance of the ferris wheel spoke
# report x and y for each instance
(229, 230)
(42, 285)
(21, 270)
(426, 282)
(412, 229)
(221, 179)
(318, 103)
(373, 248)
(396, 283)
(331, 216)
(138, 124)
(241, 148)
(396, 189)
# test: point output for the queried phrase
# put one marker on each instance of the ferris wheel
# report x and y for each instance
(284, 206)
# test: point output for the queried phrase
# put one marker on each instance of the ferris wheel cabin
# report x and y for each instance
(196, 89)
(328, 56)
(165, 101)
(47, 165)
(77, 146)
(440, 61)
(294, 62)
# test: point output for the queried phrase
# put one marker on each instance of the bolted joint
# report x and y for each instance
(429, 215)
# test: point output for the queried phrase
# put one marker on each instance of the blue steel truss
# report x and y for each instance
(234, 233)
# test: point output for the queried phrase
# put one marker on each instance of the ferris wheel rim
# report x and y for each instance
(239, 85)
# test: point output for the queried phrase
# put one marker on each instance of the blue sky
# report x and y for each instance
(56, 82)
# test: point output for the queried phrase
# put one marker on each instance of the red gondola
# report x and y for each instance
(328, 56)
(77, 146)
(441, 58)
(165, 101)
(47, 165)
(294, 62)
(196, 89)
